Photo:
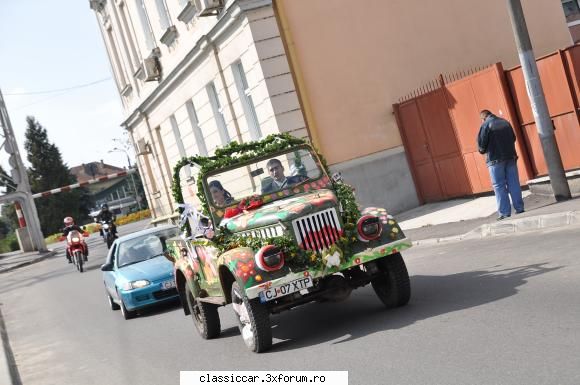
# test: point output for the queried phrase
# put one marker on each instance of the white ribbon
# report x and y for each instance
(190, 212)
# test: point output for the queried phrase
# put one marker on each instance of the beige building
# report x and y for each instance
(195, 74)
(353, 60)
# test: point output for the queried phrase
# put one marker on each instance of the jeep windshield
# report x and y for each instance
(277, 176)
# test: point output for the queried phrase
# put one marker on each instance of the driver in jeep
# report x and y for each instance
(279, 180)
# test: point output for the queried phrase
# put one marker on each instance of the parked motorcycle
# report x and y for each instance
(77, 248)
(108, 234)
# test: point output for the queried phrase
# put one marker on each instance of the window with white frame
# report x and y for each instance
(163, 13)
(218, 113)
(145, 25)
(246, 100)
(571, 7)
(179, 142)
(199, 139)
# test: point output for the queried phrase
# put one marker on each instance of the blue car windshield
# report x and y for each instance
(143, 248)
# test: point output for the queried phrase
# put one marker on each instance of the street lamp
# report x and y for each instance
(117, 149)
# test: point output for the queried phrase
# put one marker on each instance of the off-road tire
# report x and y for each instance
(259, 321)
(205, 316)
(393, 286)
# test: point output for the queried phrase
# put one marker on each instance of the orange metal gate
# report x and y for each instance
(439, 127)
(559, 75)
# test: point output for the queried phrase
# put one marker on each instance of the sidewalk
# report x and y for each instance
(476, 218)
(16, 259)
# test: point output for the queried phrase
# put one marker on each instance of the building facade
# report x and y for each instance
(123, 194)
(193, 76)
(572, 13)
(196, 74)
(353, 62)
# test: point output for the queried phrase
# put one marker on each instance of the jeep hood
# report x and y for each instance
(283, 210)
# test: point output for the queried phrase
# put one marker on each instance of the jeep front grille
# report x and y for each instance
(264, 232)
(317, 231)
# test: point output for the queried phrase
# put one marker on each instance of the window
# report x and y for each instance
(570, 7)
(217, 113)
(164, 19)
(199, 139)
(145, 25)
(246, 99)
(179, 142)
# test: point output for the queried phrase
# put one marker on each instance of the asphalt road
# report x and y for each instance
(504, 310)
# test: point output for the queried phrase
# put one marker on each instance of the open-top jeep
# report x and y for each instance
(275, 231)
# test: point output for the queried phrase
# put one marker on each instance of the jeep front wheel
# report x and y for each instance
(253, 321)
(392, 285)
(205, 316)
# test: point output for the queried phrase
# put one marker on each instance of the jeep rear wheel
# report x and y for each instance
(205, 316)
(393, 286)
(253, 321)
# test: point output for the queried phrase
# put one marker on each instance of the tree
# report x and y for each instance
(47, 171)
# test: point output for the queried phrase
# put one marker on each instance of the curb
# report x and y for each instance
(527, 224)
(39, 258)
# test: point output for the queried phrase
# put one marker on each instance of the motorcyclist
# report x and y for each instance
(69, 225)
(106, 216)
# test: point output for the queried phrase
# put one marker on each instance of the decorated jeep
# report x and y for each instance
(274, 232)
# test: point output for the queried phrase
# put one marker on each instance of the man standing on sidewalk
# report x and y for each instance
(496, 138)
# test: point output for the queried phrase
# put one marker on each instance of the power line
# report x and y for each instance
(59, 89)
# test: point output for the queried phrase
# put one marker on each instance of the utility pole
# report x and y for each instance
(22, 195)
(538, 102)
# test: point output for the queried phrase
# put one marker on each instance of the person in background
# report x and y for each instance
(106, 216)
(496, 139)
(69, 225)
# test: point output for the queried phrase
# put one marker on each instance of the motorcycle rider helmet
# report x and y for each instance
(105, 207)
(68, 221)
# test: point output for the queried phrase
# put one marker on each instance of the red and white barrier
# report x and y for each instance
(20, 215)
(77, 185)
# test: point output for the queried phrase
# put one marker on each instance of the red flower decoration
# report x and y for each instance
(250, 203)
(232, 212)
(245, 270)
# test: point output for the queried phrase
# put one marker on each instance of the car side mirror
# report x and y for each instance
(167, 254)
(107, 267)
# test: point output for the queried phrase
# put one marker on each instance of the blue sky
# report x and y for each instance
(56, 44)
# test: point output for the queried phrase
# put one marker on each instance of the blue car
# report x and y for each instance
(136, 273)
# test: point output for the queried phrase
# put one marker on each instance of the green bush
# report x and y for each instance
(9, 243)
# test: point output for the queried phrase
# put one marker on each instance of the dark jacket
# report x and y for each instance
(106, 216)
(68, 229)
(290, 180)
(496, 138)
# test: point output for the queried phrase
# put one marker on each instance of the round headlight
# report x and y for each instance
(270, 258)
(369, 228)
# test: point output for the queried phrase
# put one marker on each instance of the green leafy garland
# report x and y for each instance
(236, 153)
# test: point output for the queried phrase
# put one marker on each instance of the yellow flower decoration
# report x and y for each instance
(258, 277)
(395, 230)
(313, 257)
(391, 222)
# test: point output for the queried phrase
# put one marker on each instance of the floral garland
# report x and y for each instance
(235, 153)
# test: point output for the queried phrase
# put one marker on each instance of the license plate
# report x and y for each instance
(168, 284)
(285, 289)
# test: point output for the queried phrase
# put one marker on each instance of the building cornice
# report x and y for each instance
(201, 48)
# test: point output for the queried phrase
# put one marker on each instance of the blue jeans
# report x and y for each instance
(504, 177)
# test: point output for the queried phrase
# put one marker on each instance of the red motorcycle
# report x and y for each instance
(77, 248)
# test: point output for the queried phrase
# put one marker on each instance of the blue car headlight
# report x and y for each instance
(136, 284)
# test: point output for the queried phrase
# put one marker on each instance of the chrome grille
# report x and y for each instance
(264, 232)
(317, 231)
